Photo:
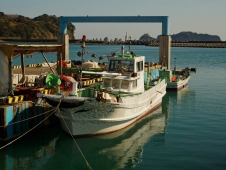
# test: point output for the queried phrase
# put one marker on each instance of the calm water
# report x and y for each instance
(187, 132)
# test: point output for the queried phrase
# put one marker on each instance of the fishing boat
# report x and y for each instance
(124, 96)
(176, 79)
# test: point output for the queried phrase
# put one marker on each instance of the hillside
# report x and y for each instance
(146, 37)
(192, 36)
(41, 27)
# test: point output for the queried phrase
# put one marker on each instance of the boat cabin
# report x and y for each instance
(131, 79)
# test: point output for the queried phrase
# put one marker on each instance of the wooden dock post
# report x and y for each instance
(164, 51)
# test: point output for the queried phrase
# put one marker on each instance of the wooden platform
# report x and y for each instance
(34, 70)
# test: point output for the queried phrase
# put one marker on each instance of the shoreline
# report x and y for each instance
(199, 44)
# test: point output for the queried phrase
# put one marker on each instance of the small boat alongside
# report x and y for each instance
(177, 79)
(124, 96)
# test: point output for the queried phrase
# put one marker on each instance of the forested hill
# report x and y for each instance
(192, 36)
(41, 27)
(186, 36)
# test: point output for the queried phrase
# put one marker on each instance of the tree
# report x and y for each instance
(41, 27)
(2, 14)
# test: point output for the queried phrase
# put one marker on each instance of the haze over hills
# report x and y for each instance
(47, 27)
(193, 36)
(186, 36)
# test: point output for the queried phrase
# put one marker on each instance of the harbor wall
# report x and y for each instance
(199, 44)
(17, 118)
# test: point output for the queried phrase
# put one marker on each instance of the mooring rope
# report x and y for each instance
(58, 109)
(54, 110)
(28, 118)
(27, 131)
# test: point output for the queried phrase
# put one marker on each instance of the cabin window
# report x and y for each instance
(125, 84)
(107, 82)
(121, 66)
(115, 84)
(139, 66)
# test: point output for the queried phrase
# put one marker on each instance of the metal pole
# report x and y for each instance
(129, 42)
(10, 75)
(22, 66)
(47, 62)
(59, 64)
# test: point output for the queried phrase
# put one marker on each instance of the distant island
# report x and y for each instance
(46, 28)
(185, 36)
(192, 36)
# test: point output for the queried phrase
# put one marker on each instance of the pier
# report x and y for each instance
(20, 109)
(199, 44)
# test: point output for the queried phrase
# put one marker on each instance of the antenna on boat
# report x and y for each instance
(130, 36)
(122, 50)
(175, 64)
(83, 46)
(129, 42)
(81, 54)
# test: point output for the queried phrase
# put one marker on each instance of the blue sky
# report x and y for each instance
(200, 16)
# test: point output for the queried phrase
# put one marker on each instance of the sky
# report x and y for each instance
(199, 16)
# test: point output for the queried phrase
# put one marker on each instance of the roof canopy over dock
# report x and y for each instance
(11, 50)
(8, 51)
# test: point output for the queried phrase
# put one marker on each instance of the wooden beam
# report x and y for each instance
(47, 62)
(10, 75)
(59, 63)
(22, 66)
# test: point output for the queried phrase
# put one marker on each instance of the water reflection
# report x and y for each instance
(54, 149)
(179, 95)
(180, 99)
(29, 152)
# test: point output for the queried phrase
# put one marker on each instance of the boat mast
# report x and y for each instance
(129, 42)
(83, 52)
(175, 65)
(83, 46)
(122, 50)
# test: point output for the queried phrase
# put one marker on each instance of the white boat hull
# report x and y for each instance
(178, 85)
(95, 118)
